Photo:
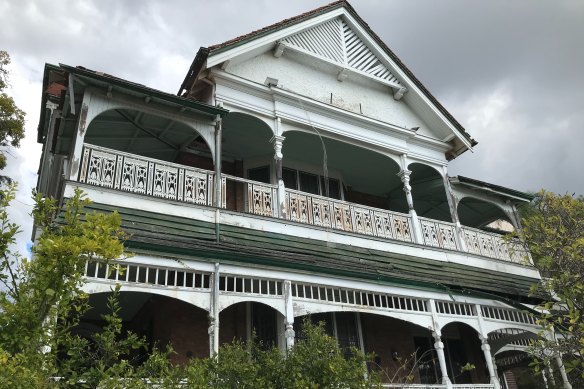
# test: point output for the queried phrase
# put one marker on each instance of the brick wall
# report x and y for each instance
(170, 321)
(385, 336)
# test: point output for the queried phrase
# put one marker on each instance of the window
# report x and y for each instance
(261, 174)
(311, 183)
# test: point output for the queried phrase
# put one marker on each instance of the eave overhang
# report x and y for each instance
(86, 77)
(510, 194)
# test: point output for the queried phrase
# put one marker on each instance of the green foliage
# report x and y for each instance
(11, 117)
(42, 303)
(316, 361)
(42, 299)
(553, 230)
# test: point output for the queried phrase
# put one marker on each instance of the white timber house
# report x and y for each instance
(300, 171)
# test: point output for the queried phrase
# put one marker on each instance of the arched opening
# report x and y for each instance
(242, 321)
(148, 135)
(465, 360)
(473, 212)
(509, 346)
(354, 174)
(404, 351)
(514, 371)
(343, 326)
(161, 320)
(429, 193)
(246, 152)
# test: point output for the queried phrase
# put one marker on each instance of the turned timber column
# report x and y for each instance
(278, 141)
(289, 320)
(214, 315)
(218, 133)
(486, 347)
(439, 346)
(404, 175)
(490, 364)
(563, 374)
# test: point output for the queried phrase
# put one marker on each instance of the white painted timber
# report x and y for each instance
(274, 225)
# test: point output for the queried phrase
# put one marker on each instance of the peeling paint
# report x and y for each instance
(75, 167)
(82, 119)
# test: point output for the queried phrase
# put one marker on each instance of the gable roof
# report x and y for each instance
(205, 52)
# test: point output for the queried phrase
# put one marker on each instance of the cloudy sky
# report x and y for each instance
(512, 72)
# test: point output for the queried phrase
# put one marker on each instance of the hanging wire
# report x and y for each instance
(324, 154)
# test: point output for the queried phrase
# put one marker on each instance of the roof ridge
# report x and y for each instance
(281, 23)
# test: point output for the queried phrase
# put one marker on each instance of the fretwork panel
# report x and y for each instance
(165, 181)
(298, 208)
(321, 212)
(260, 199)
(494, 246)
(402, 228)
(362, 220)
(438, 234)
(196, 188)
(342, 217)
(357, 297)
(134, 175)
(100, 168)
(129, 173)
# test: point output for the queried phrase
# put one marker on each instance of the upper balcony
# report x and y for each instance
(297, 188)
(121, 171)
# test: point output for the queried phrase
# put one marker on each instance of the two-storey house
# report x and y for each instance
(300, 171)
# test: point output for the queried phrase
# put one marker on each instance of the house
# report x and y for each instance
(300, 171)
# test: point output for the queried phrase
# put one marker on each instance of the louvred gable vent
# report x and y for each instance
(335, 41)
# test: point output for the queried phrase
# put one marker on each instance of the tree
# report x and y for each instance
(42, 297)
(11, 117)
(42, 301)
(553, 230)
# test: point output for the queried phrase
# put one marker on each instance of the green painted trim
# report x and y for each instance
(177, 236)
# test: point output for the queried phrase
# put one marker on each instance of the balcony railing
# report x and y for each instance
(492, 245)
(131, 173)
(439, 386)
(341, 215)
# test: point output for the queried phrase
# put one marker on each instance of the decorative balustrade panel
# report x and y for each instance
(414, 386)
(259, 197)
(131, 173)
(250, 285)
(507, 314)
(358, 297)
(135, 273)
(454, 308)
(439, 234)
(493, 245)
(325, 212)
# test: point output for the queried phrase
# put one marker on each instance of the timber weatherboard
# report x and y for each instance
(168, 235)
